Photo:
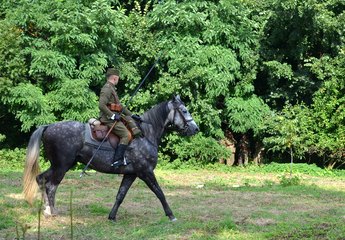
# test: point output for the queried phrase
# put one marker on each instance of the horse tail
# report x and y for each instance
(32, 168)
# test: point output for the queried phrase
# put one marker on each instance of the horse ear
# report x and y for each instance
(176, 98)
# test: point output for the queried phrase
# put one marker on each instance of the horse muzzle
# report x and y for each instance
(190, 129)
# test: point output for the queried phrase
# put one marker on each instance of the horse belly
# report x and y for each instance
(101, 159)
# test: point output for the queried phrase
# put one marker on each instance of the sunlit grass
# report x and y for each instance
(208, 204)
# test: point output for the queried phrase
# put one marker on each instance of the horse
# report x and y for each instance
(64, 146)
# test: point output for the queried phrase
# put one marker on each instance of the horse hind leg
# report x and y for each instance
(48, 182)
(43, 181)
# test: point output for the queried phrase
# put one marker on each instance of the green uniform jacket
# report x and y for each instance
(107, 96)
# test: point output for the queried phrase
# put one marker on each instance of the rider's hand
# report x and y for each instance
(136, 117)
(115, 117)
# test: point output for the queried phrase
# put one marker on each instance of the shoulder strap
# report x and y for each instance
(117, 100)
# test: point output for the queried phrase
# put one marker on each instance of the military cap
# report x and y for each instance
(112, 71)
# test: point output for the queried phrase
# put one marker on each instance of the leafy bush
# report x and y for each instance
(198, 150)
(280, 168)
(14, 160)
(289, 180)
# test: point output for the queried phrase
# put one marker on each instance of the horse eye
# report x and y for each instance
(184, 111)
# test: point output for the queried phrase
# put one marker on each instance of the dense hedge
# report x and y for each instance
(264, 75)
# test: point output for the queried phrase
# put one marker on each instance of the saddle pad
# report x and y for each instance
(90, 141)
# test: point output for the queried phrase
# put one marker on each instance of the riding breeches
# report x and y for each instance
(121, 131)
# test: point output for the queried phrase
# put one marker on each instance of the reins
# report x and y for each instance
(185, 121)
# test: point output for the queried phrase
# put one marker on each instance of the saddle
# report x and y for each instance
(98, 131)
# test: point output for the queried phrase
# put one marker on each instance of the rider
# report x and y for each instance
(110, 110)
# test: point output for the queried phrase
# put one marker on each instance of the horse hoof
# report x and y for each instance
(47, 212)
(173, 219)
(112, 219)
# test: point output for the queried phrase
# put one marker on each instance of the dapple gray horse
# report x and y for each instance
(64, 146)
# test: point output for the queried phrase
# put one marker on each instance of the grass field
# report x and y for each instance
(208, 204)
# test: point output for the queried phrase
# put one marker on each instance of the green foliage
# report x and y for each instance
(74, 100)
(295, 32)
(14, 159)
(329, 107)
(37, 110)
(289, 180)
(55, 57)
(233, 63)
(211, 52)
(290, 129)
(246, 114)
(299, 169)
(319, 128)
(198, 150)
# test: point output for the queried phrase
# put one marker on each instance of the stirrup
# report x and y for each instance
(117, 164)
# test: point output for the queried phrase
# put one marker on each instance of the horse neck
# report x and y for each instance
(155, 118)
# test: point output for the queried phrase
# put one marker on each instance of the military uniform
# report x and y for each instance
(110, 109)
(107, 97)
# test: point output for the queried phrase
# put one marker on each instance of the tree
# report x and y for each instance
(51, 59)
(295, 32)
(290, 130)
(301, 72)
(211, 60)
(329, 109)
(233, 63)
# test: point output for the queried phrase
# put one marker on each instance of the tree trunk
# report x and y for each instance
(231, 160)
(259, 153)
(229, 142)
(243, 157)
(331, 164)
(291, 153)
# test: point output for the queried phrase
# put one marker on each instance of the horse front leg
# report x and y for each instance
(150, 179)
(126, 183)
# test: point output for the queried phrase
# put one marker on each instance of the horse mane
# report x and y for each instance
(157, 114)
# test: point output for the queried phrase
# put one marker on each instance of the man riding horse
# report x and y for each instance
(110, 113)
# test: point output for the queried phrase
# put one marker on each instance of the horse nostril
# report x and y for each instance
(196, 129)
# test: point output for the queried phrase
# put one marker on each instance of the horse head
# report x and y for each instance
(180, 118)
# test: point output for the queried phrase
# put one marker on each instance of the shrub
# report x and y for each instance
(289, 180)
(14, 159)
(198, 150)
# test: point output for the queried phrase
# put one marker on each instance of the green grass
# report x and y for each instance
(209, 204)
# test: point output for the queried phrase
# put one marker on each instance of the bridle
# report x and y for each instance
(185, 121)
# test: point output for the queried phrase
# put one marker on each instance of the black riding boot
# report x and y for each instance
(119, 156)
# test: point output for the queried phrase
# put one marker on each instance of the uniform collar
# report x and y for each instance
(111, 84)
